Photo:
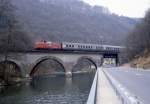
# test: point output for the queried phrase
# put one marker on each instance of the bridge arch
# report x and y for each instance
(10, 71)
(45, 58)
(92, 61)
(16, 64)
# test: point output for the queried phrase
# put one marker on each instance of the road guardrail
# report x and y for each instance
(93, 91)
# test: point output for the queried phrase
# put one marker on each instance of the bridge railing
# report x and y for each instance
(125, 96)
(93, 91)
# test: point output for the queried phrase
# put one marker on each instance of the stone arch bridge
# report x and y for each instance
(27, 61)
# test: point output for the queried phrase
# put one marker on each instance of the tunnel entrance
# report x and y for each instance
(48, 66)
(84, 65)
(10, 73)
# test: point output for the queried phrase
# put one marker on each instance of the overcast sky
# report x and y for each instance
(130, 8)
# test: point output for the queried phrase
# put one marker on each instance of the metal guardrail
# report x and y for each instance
(93, 91)
(125, 96)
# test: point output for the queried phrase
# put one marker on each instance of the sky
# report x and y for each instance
(130, 8)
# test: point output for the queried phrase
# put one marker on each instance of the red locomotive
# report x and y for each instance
(47, 45)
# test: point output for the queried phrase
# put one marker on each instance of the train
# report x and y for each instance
(45, 45)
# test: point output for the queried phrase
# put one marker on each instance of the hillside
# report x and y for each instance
(73, 21)
(138, 43)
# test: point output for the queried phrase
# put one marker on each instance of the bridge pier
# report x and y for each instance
(68, 69)
(68, 74)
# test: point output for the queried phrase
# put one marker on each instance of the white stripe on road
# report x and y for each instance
(138, 74)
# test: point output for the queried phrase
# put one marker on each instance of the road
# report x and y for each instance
(137, 82)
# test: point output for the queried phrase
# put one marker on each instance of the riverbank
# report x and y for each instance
(13, 81)
(142, 61)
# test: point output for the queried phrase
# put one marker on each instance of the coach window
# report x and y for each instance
(69, 45)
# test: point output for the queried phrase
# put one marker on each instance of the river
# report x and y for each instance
(49, 90)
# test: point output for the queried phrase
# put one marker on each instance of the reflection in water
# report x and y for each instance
(49, 90)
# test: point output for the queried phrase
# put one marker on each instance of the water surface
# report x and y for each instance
(49, 90)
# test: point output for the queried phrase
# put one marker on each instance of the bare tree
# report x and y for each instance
(12, 36)
(138, 40)
(11, 32)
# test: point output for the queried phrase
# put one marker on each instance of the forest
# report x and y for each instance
(55, 20)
